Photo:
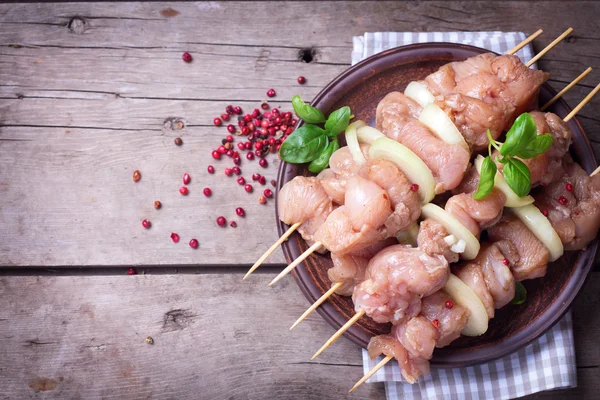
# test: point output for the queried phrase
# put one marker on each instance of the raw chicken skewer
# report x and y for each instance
(337, 285)
(567, 88)
(537, 268)
(525, 42)
(294, 226)
(549, 47)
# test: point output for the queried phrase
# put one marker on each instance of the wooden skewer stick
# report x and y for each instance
(339, 333)
(282, 239)
(369, 374)
(595, 171)
(567, 88)
(549, 47)
(524, 42)
(582, 103)
(297, 261)
(317, 304)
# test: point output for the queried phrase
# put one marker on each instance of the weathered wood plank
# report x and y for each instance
(112, 87)
(212, 333)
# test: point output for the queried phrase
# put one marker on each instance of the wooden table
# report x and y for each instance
(91, 92)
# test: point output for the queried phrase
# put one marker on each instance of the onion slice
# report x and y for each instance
(409, 163)
(352, 141)
(541, 227)
(440, 124)
(512, 200)
(462, 294)
(454, 227)
(368, 135)
(419, 92)
(409, 236)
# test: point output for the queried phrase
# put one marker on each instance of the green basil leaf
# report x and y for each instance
(486, 179)
(304, 144)
(517, 176)
(320, 163)
(338, 121)
(520, 294)
(519, 135)
(537, 146)
(308, 113)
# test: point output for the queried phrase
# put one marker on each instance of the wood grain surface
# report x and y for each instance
(90, 92)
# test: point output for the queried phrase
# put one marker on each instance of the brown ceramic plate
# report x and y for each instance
(361, 87)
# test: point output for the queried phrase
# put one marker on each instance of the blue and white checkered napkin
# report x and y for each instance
(548, 362)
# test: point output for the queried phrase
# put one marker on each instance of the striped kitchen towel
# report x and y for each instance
(546, 363)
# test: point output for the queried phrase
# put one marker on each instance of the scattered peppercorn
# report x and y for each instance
(301, 80)
(262, 180)
(569, 187)
(207, 192)
(262, 199)
(233, 224)
(186, 178)
(178, 141)
(187, 57)
(271, 93)
(216, 155)
(210, 169)
(194, 243)
(157, 204)
(146, 224)
(174, 237)
(225, 117)
(273, 182)
(217, 121)
(268, 193)
(236, 170)
(449, 304)
(414, 187)
(241, 180)
(545, 212)
(263, 162)
(240, 212)
(435, 323)
(221, 221)
(137, 175)
(563, 200)
(248, 188)
(131, 271)
(184, 191)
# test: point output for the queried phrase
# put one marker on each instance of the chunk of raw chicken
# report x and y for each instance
(349, 270)
(387, 344)
(342, 163)
(394, 111)
(405, 202)
(522, 83)
(367, 204)
(496, 273)
(418, 336)
(451, 320)
(448, 163)
(533, 255)
(301, 199)
(575, 213)
(396, 279)
(473, 117)
(334, 187)
(476, 214)
(471, 274)
(337, 235)
(431, 240)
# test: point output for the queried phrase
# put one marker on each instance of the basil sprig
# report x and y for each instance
(311, 143)
(520, 294)
(522, 141)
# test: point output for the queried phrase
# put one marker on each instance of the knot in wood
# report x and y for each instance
(307, 55)
(77, 25)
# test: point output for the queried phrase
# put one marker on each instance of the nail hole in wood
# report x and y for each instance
(307, 55)
(77, 25)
